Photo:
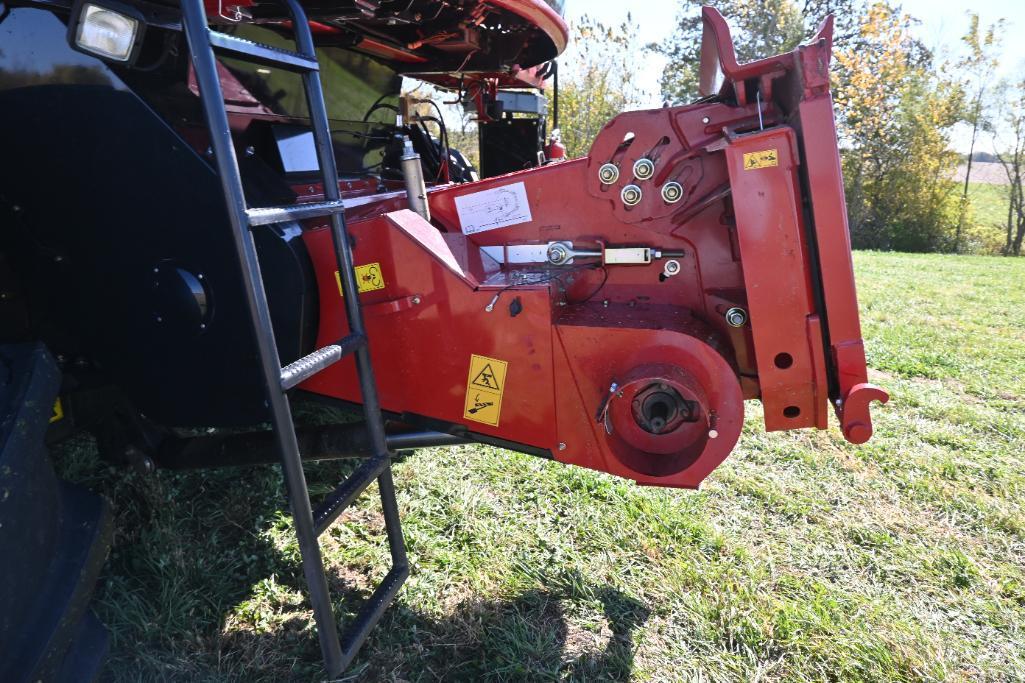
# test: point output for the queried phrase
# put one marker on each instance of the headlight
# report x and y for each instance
(106, 30)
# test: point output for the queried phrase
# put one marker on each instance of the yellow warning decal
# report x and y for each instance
(58, 411)
(484, 388)
(766, 158)
(368, 278)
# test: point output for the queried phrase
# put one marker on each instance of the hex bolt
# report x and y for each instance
(705, 119)
(562, 446)
(608, 174)
(671, 268)
(631, 195)
(672, 192)
(558, 254)
(415, 300)
(644, 168)
(736, 317)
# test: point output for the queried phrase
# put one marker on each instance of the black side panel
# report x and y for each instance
(122, 235)
(54, 536)
(510, 145)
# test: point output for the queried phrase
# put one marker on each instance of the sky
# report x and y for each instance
(943, 22)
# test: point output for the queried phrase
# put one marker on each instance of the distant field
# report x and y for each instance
(803, 558)
(987, 172)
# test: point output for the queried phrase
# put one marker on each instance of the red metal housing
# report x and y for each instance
(635, 369)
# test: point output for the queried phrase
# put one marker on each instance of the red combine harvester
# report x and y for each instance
(209, 210)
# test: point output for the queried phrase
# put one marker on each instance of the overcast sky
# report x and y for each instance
(943, 22)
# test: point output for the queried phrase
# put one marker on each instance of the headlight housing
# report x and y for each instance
(109, 30)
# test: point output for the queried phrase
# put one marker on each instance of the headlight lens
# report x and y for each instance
(106, 33)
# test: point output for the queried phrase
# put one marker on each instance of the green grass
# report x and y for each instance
(987, 224)
(802, 558)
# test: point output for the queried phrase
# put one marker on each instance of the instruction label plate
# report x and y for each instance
(485, 386)
(765, 158)
(368, 278)
(491, 209)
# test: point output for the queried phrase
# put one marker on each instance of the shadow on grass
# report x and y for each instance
(528, 637)
(197, 589)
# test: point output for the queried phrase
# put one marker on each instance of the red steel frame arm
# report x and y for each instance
(639, 370)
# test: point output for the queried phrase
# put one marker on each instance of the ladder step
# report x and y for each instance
(264, 54)
(297, 372)
(372, 611)
(339, 499)
(296, 212)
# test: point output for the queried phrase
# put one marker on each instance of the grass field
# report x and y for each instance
(802, 558)
(986, 230)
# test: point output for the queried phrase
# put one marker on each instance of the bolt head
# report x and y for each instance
(672, 192)
(644, 169)
(608, 174)
(631, 195)
(558, 254)
(672, 267)
(562, 446)
(736, 317)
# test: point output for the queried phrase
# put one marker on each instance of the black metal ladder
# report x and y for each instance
(309, 523)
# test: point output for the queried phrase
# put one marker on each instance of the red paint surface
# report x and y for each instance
(746, 240)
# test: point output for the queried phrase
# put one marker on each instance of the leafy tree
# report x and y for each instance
(1013, 161)
(894, 110)
(761, 28)
(978, 66)
(597, 81)
(896, 116)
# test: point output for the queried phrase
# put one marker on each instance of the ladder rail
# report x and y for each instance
(205, 66)
(202, 42)
(369, 616)
(343, 252)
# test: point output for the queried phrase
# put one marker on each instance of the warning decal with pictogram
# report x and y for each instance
(484, 388)
(485, 379)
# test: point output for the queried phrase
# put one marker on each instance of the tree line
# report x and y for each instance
(897, 104)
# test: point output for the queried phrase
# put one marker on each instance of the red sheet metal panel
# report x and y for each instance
(828, 207)
(422, 353)
(763, 175)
